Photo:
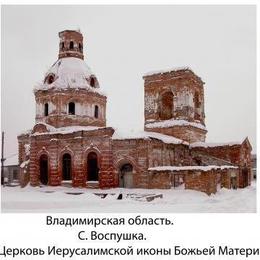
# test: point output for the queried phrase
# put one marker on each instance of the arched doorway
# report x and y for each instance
(44, 169)
(166, 106)
(126, 176)
(66, 167)
(92, 167)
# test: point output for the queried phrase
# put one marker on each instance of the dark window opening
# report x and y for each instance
(15, 174)
(62, 46)
(50, 79)
(71, 45)
(92, 167)
(198, 161)
(46, 109)
(92, 82)
(96, 112)
(66, 167)
(71, 108)
(44, 169)
(80, 47)
(166, 106)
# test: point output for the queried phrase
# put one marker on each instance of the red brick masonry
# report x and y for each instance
(70, 143)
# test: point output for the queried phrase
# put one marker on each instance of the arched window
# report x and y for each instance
(43, 165)
(96, 111)
(62, 45)
(166, 106)
(80, 47)
(66, 167)
(71, 108)
(46, 109)
(71, 45)
(92, 167)
(92, 82)
(50, 79)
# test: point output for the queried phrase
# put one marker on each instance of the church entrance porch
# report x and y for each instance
(44, 169)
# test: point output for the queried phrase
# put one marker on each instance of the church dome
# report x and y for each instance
(69, 93)
(69, 72)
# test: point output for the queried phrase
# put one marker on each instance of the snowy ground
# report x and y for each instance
(57, 199)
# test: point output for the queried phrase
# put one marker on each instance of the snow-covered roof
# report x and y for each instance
(68, 73)
(25, 132)
(148, 135)
(174, 122)
(66, 130)
(207, 145)
(149, 73)
(11, 160)
(192, 168)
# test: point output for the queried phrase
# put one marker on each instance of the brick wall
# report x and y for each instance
(204, 181)
(135, 152)
(159, 180)
(78, 145)
(187, 133)
(237, 154)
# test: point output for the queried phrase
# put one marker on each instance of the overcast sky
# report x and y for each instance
(121, 43)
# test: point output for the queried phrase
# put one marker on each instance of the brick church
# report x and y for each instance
(70, 143)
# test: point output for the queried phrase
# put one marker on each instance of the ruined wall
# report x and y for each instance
(161, 154)
(187, 90)
(236, 154)
(177, 95)
(159, 180)
(245, 164)
(201, 181)
(227, 153)
(204, 181)
(186, 133)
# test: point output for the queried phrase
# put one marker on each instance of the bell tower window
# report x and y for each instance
(196, 100)
(71, 45)
(166, 106)
(71, 108)
(46, 109)
(96, 112)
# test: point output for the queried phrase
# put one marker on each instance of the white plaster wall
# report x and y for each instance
(51, 107)
(39, 109)
(184, 98)
(79, 109)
